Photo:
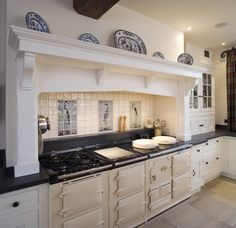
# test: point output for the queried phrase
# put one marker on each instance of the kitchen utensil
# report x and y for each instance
(43, 126)
(125, 123)
(120, 123)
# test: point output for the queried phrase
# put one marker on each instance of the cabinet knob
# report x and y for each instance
(201, 125)
(217, 158)
(198, 150)
(194, 173)
(15, 204)
(217, 141)
(207, 144)
(206, 163)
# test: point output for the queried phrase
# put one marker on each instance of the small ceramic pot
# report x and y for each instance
(158, 131)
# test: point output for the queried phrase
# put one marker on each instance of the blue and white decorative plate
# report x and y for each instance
(185, 58)
(129, 41)
(89, 38)
(35, 22)
(158, 55)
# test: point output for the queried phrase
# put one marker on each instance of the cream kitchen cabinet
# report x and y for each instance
(229, 152)
(127, 196)
(80, 202)
(212, 159)
(25, 208)
(197, 167)
(202, 106)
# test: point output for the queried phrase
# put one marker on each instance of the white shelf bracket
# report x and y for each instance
(26, 64)
(148, 80)
(101, 74)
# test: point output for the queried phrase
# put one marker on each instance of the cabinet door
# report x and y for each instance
(181, 186)
(211, 160)
(91, 219)
(130, 180)
(26, 220)
(160, 171)
(207, 92)
(81, 196)
(197, 167)
(159, 196)
(231, 158)
(194, 104)
(181, 163)
(131, 210)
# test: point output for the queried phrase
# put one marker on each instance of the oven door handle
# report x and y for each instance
(63, 193)
(63, 211)
(119, 191)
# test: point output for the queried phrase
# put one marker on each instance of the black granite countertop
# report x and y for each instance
(10, 183)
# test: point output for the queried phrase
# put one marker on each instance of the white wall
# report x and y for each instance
(198, 54)
(63, 20)
(2, 71)
(220, 87)
(165, 109)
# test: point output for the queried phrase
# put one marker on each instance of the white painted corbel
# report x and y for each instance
(26, 64)
(101, 74)
(148, 80)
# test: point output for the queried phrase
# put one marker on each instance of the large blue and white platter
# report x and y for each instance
(129, 41)
(36, 22)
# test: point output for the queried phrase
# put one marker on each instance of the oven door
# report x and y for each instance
(81, 195)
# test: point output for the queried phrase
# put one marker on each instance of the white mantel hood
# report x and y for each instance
(50, 63)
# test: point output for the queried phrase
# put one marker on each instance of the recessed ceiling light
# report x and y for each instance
(189, 28)
(223, 43)
(221, 25)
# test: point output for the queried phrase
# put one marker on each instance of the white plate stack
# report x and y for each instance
(145, 144)
(164, 140)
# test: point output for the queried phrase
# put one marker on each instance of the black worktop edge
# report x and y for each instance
(9, 183)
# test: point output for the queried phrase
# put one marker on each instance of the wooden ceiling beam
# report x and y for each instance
(93, 8)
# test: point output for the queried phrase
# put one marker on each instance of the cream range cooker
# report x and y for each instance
(113, 184)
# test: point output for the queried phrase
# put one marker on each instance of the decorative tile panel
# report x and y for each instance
(87, 110)
(105, 109)
(67, 117)
(135, 114)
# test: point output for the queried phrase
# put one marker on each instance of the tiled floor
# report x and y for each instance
(213, 207)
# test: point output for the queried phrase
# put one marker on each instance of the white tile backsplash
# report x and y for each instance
(87, 109)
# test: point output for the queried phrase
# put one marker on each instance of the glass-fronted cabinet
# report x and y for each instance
(201, 96)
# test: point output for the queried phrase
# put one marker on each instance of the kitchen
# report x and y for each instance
(55, 68)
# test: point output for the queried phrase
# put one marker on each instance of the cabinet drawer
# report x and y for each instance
(131, 210)
(18, 201)
(130, 180)
(91, 219)
(24, 220)
(181, 185)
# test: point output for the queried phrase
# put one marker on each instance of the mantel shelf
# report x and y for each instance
(61, 50)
